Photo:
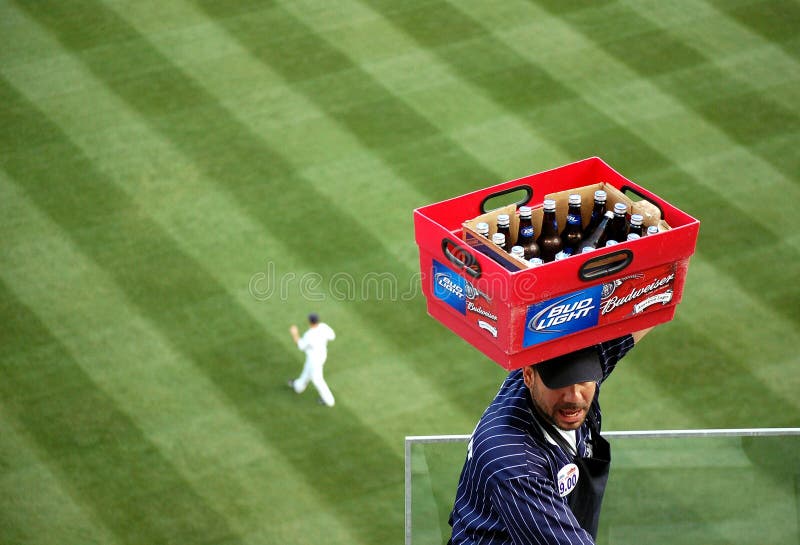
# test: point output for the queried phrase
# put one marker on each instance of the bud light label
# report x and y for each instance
(468, 300)
(449, 287)
(526, 231)
(602, 304)
(562, 315)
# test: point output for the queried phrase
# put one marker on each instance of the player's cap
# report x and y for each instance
(313, 318)
(579, 366)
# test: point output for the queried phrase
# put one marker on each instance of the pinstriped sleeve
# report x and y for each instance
(611, 352)
(534, 514)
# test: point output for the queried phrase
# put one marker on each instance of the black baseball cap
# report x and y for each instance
(580, 366)
(313, 318)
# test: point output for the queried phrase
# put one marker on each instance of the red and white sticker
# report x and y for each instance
(567, 479)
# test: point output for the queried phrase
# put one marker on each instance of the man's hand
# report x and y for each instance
(295, 333)
(637, 335)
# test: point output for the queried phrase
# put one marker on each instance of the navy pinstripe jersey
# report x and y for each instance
(507, 492)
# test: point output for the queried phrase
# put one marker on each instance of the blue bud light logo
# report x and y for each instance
(561, 316)
(449, 287)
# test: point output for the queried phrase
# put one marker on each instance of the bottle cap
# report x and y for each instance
(503, 219)
(499, 239)
(636, 219)
(482, 228)
(587, 249)
(621, 208)
(562, 255)
(633, 236)
(600, 195)
(535, 261)
(609, 214)
(611, 243)
(525, 211)
(652, 230)
(549, 204)
(518, 251)
(574, 199)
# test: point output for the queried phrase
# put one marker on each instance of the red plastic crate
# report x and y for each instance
(519, 317)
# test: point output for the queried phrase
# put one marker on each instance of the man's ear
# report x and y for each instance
(528, 375)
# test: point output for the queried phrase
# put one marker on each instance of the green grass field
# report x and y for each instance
(180, 181)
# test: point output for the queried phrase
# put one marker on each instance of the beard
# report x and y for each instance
(564, 416)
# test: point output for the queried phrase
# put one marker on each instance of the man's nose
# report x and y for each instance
(574, 394)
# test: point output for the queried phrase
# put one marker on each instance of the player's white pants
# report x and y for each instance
(312, 372)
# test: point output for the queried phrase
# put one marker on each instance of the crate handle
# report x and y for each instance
(629, 189)
(468, 263)
(605, 265)
(526, 188)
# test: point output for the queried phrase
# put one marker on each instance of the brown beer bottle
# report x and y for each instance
(549, 240)
(571, 236)
(525, 235)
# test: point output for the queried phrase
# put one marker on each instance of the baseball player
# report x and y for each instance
(314, 343)
(536, 465)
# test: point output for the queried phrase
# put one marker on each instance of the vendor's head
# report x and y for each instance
(562, 388)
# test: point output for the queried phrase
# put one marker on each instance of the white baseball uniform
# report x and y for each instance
(314, 343)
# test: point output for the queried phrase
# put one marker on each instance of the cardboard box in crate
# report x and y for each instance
(518, 315)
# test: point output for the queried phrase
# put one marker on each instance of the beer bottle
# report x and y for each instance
(525, 236)
(518, 252)
(572, 235)
(652, 230)
(636, 226)
(618, 226)
(504, 227)
(598, 210)
(500, 240)
(593, 240)
(549, 241)
(482, 229)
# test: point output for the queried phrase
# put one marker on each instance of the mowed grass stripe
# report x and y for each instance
(338, 86)
(180, 413)
(98, 452)
(776, 21)
(683, 71)
(711, 157)
(703, 346)
(177, 197)
(430, 87)
(177, 295)
(323, 151)
(254, 173)
(35, 506)
(608, 138)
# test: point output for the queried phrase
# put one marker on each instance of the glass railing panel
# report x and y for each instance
(706, 486)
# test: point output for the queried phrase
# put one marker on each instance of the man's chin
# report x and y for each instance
(569, 420)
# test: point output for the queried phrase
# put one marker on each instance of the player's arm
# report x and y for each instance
(535, 513)
(295, 333)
